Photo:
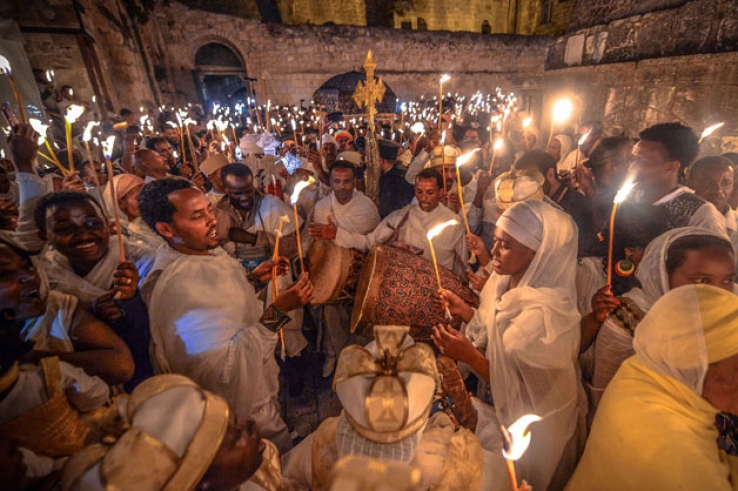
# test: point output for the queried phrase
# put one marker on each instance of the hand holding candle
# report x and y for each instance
(516, 440)
(432, 233)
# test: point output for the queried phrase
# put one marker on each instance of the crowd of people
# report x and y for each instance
(150, 298)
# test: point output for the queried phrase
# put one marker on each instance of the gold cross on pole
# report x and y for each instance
(368, 93)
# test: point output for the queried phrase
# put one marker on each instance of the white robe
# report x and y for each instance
(204, 318)
(50, 332)
(533, 340)
(358, 216)
(449, 244)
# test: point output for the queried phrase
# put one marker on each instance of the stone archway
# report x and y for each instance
(220, 75)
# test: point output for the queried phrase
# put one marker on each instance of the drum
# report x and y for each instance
(334, 272)
(396, 287)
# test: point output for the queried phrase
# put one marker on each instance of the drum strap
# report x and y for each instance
(396, 234)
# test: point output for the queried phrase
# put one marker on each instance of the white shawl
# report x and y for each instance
(533, 333)
(358, 216)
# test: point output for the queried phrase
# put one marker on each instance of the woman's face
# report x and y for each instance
(720, 387)
(554, 149)
(510, 257)
(129, 203)
(709, 266)
(20, 286)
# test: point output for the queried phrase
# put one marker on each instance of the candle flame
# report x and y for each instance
(299, 188)
(107, 146)
(5, 66)
(517, 437)
(435, 231)
(443, 137)
(498, 144)
(74, 111)
(584, 138)
(624, 191)
(38, 127)
(562, 110)
(445, 78)
(87, 135)
(711, 129)
(418, 128)
(527, 122)
(465, 158)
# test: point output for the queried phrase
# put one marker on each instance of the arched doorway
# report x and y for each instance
(220, 76)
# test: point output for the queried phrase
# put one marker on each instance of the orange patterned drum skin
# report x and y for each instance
(334, 272)
(396, 287)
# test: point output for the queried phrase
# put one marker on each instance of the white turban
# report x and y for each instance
(523, 225)
(328, 138)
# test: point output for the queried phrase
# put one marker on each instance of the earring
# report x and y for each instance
(624, 268)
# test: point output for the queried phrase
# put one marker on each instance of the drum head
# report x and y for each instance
(329, 267)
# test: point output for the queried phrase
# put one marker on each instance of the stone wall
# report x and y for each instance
(590, 13)
(442, 15)
(291, 62)
(342, 12)
(530, 22)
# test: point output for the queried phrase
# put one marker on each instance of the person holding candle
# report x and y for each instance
(528, 326)
(207, 321)
(667, 419)
(658, 159)
(589, 134)
(678, 257)
(559, 147)
(150, 165)
(410, 225)
(394, 190)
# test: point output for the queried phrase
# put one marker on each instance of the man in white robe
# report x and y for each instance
(349, 210)
(411, 224)
(206, 320)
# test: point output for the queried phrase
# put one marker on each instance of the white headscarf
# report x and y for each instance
(566, 146)
(651, 272)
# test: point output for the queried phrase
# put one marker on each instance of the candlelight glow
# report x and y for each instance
(74, 111)
(299, 188)
(562, 110)
(445, 78)
(624, 191)
(465, 158)
(38, 127)
(435, 231)
(517, 438)
(87, 135)
(5, 66)
(527, 122)
(584, 138)
(498, 144)
(711, 129)
(107, 146)
(418, 128)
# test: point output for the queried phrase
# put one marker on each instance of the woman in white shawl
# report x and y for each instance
(678, 257)
(560, 147)
(528, 313)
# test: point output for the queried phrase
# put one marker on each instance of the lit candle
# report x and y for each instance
(515, 441)
(6, 70)
(497, 146)
(299, 187)
(73, 113)
(561, 111)
(41, 128)
(710, 130)
(278, 235)
(107, 146)
(444, 78)
(619, 198)
(459, 162)
(195, 162)
(86, 137)
(432, 233)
